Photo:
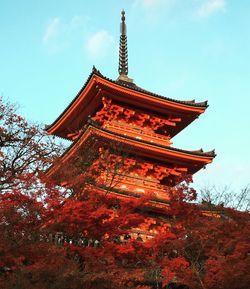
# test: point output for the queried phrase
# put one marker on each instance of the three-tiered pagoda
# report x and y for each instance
(131, 129)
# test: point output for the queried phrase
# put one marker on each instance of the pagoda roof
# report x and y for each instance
(193, 160)
(89, 98)
(133, 86)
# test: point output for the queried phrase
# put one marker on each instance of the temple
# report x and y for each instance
(124, 136)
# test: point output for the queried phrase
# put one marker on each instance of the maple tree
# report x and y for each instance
(24, 148)
(226, 197)
(51, 239)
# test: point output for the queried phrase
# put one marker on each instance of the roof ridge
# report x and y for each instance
(133, 86)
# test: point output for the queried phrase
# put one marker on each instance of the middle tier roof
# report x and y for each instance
(192, 160)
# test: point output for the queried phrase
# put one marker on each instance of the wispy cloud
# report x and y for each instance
(51, 30)
(99, 43)
(149, 4)
(210, 7)
(78, 21)
(58, 33)
(154, 9)
(155, 5)
(158, 8)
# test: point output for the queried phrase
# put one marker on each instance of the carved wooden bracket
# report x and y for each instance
(114, 112)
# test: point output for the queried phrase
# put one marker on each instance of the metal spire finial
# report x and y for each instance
(123, 52)
(123, 24)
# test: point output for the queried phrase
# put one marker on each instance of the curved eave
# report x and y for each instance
(89, 98)
(194, 161)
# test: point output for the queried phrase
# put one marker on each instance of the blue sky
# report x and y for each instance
(184, 49)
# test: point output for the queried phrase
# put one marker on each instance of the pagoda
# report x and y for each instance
(123, 134)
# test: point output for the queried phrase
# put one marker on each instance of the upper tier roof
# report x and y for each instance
(133, 86)
(89, 99)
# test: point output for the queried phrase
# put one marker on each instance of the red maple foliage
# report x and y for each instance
(50, 239)
(24, 148)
